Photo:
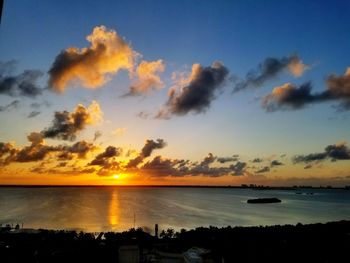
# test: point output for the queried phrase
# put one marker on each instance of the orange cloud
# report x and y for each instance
(297, 67)
(91, 66)
(147, 77)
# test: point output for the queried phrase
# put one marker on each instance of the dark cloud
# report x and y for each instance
(289, 96)
(275, 163)
(80, 149)
(33, 114)
(151, 145)
(66, 124)
(97, 135)
(269, 69)
(197, 92)
(308, 166)
(257, 160)
(39, 151)
(208, 160)
(13, 105)
(165, 167)
(24, 84)
(238, 168)
(332, 152)
(310, 157)
(160, 166)
(37, 105)
(227, 159)
(263, 170)
(103, 158)
(7, 153)
(146, 151)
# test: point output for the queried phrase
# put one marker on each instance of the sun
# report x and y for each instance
(116, 176)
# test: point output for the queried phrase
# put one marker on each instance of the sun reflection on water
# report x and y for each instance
(113, 212)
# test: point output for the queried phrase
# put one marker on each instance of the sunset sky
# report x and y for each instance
(175, 92)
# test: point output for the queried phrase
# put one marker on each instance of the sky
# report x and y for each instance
(175, 92)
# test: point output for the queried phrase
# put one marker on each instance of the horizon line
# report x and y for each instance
(174, 186)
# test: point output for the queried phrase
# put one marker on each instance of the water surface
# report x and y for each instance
(120, 208)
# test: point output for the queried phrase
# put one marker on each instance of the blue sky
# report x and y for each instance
(240, 34)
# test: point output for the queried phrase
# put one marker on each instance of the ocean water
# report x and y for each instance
(96, 209)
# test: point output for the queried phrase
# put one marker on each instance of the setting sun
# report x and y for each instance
(116, 176)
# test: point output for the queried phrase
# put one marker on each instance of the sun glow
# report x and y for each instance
(116, 176)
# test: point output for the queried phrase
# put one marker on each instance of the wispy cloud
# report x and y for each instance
(270, 68)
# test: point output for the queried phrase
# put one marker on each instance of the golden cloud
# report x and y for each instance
(92, 66)
(147, 77)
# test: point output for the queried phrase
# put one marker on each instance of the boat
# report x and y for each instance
(264, 200)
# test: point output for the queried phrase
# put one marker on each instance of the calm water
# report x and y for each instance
(112, 209)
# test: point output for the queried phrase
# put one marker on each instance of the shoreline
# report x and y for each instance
(320, 242)
(38, 230)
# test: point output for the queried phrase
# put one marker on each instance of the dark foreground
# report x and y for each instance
(328, 242)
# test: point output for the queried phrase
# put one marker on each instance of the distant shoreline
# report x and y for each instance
(258, 187)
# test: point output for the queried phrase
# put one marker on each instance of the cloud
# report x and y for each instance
(7, 153)
(97, 135)
(238, 168)
(275, 163)
(33, 114)
(257, 160)
(24, 84)
(66, 125)
(147, 78)
(195, 93)
(13, 105)
(227, 159)
(103, 158)
(39, 151)
(37, 105)
(143, 115)
(146, 151)
(270, 68)
(210, 158)
(160, 166)
(79, 149)
(119, 131)
(263, 170)
(91, 66)
(332, 152)
(290, 97)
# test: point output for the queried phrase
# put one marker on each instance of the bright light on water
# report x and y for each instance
(114, 208)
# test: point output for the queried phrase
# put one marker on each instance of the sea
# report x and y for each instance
(95, 209)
